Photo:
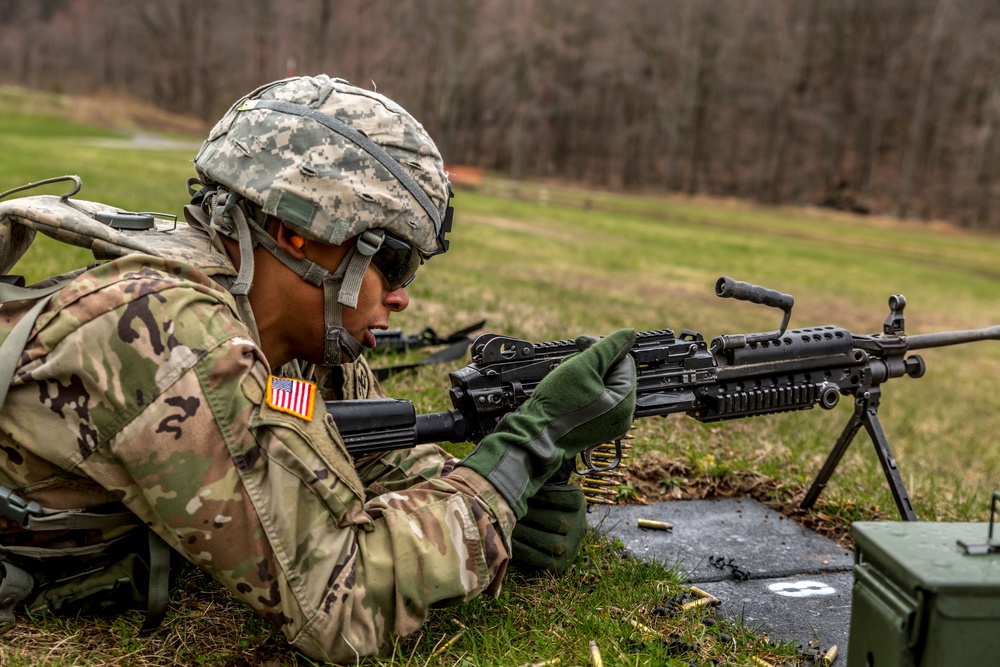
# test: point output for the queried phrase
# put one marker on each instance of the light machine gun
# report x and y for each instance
(737, 376)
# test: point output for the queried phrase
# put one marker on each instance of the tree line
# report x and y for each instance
(889, 106)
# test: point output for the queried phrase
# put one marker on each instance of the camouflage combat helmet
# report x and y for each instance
(333, 161)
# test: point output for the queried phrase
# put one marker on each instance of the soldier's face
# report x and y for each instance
(376, 300)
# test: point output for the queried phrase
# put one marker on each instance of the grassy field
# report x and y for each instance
(544, 261)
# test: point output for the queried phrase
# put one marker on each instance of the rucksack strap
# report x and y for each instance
(13, 345)
(158, 593)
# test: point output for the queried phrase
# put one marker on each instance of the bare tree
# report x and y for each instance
(892, 102)
(916, 140)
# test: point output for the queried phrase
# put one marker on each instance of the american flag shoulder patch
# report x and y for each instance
(296, 397)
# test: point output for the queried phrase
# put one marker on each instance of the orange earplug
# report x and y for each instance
(297, 241)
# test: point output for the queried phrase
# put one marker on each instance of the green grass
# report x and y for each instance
(35, 148)
(543, 262)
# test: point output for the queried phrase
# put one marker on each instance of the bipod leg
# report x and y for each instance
(851, 430)
(885, 457)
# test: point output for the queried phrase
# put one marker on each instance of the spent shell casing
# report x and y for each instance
(829, 656)
(543, 663)
(700, 602)
(451, 640)
(649, 524)
(761, 663)
(644, 629)
(595, 655)
(698, 593)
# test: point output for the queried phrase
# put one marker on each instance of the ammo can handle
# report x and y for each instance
(990, 547)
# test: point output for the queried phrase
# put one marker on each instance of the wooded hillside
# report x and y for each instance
(891, 106)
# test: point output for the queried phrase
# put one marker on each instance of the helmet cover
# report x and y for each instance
(296, 160)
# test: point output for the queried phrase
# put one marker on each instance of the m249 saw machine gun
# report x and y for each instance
(736, 376)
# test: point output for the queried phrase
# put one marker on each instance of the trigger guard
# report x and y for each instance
(590, 469)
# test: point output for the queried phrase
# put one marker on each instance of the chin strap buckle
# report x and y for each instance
(370, 241)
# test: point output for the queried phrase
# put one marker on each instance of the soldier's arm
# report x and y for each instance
(269, 503)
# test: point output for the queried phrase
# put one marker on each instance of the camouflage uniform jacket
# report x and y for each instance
(141, 385)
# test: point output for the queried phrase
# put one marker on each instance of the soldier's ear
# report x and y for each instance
(288, 240)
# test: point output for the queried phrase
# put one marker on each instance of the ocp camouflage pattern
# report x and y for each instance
(141, 385)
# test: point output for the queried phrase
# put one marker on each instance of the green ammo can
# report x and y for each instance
(925, 595)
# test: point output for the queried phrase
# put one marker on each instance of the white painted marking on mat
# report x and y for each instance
(801, 589)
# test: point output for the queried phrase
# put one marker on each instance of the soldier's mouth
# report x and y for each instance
(369, 339)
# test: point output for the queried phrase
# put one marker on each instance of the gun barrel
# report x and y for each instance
(448, 426)
(945, 338)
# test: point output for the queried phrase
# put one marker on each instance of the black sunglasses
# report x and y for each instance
(397, 261)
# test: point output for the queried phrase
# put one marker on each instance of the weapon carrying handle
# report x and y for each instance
(735, 289)
(728, 288)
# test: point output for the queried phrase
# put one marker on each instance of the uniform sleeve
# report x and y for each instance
(269, 503)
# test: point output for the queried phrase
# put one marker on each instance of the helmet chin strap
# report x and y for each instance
(340, 287)
(339, 346)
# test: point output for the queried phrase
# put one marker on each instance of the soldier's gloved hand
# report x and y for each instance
(587, 400)
(549, 536)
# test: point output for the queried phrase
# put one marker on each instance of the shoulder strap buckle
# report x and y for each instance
(15, 508)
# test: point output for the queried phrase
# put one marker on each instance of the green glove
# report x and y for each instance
(587, 400)
(549, 537)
